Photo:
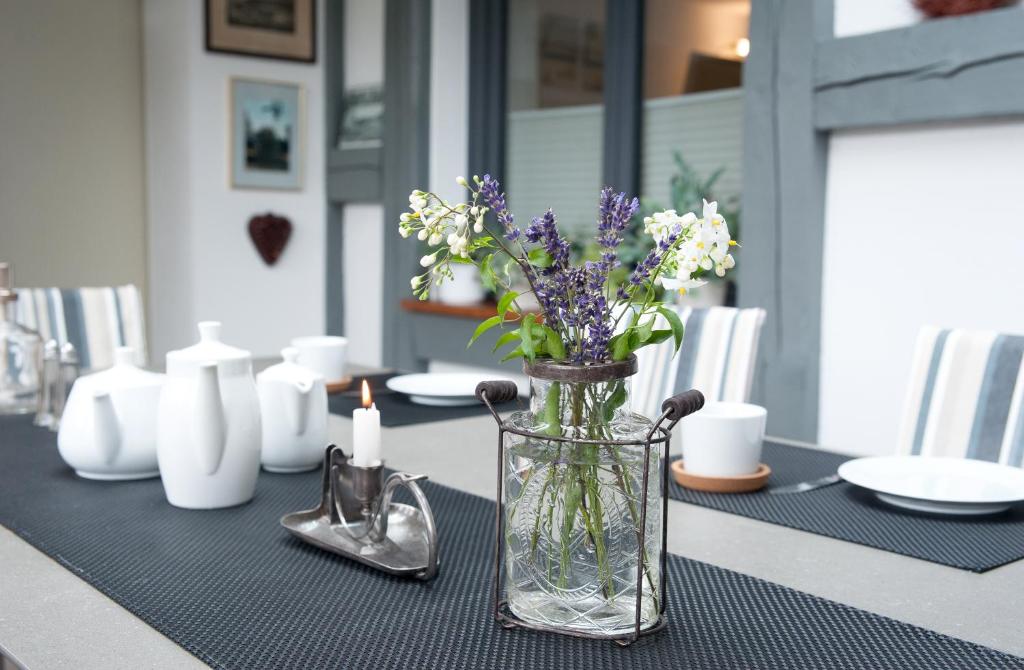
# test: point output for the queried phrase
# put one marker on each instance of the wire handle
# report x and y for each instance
(496, 392)
(681, 405)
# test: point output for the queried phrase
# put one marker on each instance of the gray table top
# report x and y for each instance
(51, 619)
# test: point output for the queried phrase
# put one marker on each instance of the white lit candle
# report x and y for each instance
(366, 432)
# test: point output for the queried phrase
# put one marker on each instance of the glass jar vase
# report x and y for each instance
(582, 509)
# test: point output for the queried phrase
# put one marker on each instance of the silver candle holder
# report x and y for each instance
(357, 519)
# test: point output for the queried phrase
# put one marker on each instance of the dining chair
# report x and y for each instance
(717, 358)
(965, 396)
(95, 320)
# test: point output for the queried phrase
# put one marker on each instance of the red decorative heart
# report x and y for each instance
(270, 234)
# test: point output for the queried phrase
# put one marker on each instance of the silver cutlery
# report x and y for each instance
(811, 485)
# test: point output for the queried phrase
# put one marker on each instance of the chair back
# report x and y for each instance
(95, 320)
(718, 357)
(965, 395)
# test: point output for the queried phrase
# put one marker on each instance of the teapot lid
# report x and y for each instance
(289, 370)
(123, 375)
(209, 349)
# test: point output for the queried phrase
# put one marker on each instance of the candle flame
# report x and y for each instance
(367, 398)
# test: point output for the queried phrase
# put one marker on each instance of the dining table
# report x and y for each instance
(51, 618)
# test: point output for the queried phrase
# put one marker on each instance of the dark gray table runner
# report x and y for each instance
(397, 410)
(847, 512)
(234, 589)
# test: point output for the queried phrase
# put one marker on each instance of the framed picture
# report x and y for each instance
(266, 134)
(284, 29)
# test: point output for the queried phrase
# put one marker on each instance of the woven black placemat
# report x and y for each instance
(847, 512)
(397, 410)
(233, 588)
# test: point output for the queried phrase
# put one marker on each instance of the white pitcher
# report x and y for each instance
(208, 426)
(293, 404)
(108, 429)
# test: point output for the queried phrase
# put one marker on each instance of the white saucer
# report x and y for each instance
(452, 389)
(954, 486)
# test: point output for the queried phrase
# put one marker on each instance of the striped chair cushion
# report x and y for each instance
(94, 320)
(965, 396)
(718, 356)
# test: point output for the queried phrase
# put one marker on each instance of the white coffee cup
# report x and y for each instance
(324, 354)
(723, 439)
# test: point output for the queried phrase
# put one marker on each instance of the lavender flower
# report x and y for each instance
(494, 198)
(653, 259)
(544, 229)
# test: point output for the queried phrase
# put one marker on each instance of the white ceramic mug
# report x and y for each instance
(324, 354)
(723, 439)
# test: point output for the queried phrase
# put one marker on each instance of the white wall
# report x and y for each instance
(923, 226)
(900, 205)
(854, 17)
(202, 263)
(71, 158)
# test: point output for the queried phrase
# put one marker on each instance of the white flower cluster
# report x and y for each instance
(702, 245)
(440, 224)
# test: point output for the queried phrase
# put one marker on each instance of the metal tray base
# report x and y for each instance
(356, 519)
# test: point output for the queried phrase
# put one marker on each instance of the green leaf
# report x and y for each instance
(484, 327)
(643, 333)
(506, 302)
(674, 322)
(540, 258)
(621, 350)
(487, 278)
(615, 401)
(556, 348)
(482, 242)
(459, 260)
(515, 353)
(659, 336)
(552, 411)
(505, 339)
(526, 336)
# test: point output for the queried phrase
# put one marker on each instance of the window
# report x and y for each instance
(554, 124)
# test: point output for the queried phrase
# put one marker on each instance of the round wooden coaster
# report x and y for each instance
(339, 386)
(741, 484)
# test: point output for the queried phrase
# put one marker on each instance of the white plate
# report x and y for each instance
(454, 389)
(960, 486)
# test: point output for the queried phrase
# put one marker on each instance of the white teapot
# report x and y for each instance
(293, 404)
(108, 429)
(208, 424)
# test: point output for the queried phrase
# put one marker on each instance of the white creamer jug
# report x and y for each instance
(108, 429)
(293, 405)
(208, 424)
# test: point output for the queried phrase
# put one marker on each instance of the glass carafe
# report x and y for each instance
(20, 355)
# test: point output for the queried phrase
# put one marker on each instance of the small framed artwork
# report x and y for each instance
(284, 29)
(266, 134)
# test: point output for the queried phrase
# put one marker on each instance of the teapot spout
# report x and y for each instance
(106, 429)
(210, 426)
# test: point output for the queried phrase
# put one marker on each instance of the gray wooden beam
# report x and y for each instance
(488, 74)
(964, 67)
(354, 175)
(444, 338)
(405, 162)
(623, 94)
(334, 277)
(783, 208)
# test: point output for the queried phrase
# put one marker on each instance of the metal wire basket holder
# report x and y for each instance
(492, 393)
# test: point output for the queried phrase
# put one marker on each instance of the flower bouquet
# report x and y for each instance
(574, 467)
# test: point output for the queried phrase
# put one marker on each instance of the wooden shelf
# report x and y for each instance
(479, 311)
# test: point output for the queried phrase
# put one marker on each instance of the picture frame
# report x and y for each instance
(277, 29)
(267, 123)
